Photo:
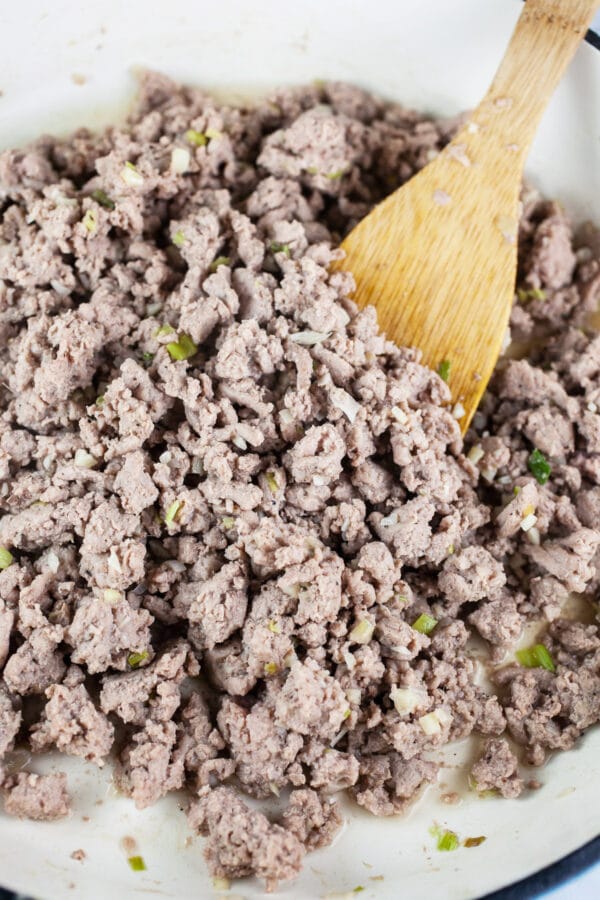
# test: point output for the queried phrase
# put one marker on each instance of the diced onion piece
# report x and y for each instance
(319, 480)
(475, 453)
(592, 407)
(489, 474)
(220, 884)
(362, 632)
(84, 460)
(197, 466)
(391, 519)
(239, 442)
(399, 415)
(153, 308)
(353, 695)
(341, 399)
(309, 338)
(459, 411)
(433, 722)
(227, 522)
(114, 563)
(406, 700)
(533, 536)
(6, 558)
(528, 522)
(286, 417)
(180, 160)
(52, 561)
(175, 565)
(348, 658)
(131, 176)
(112, 596)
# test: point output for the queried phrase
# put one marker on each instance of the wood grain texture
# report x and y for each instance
(438, 257)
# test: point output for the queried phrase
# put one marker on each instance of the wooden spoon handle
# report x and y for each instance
(546, 36)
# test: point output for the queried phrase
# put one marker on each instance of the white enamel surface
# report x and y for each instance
(436, 54)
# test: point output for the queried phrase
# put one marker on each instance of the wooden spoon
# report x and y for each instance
(438, 257)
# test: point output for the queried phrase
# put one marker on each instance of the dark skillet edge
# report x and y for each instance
(561, 872)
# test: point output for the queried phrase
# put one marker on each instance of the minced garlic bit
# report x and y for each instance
(131, 176)
(84, 460)
(362, 632)
(180, 160)
(528, 522)
(271, 668)
(399, 415)
(459, 411)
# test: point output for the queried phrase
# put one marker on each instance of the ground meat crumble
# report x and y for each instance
(227, 500)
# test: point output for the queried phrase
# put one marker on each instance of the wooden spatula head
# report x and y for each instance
(438, 257)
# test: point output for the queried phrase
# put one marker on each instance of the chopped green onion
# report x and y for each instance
(228, 522)
(274, 627)
(219, 261)
(173, 511)
(103, 199)
(531, 294)
(90, 221)
(137, 863)
(272, 482)
(539, 466)
(147, 357)
(444, 369)
(536, 657)
(516, 490)
(424, 624)
(474, 841)
(333, 176)
(6, 558)
(135, 659)
(358, 889)
(179, 239)
(99, 399)
(276, 247)
(196, 138)
(347, 714)
(212, 133)
(164, 329)
(270, 668)
(182, 348)
(447, 841)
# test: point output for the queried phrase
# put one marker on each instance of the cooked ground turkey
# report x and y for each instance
(227, 499)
